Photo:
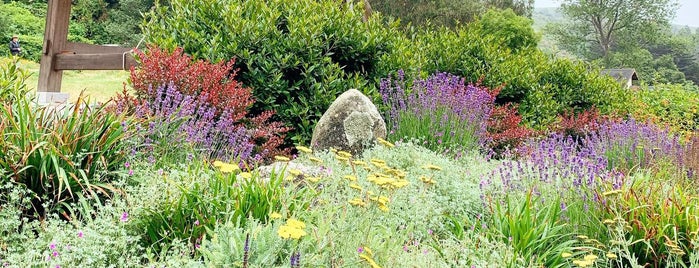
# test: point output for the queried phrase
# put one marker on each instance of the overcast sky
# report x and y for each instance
(686, 14)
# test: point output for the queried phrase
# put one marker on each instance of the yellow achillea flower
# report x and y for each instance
(377, 162)
(344, 154)
(292, 229)
(218, 163)
(286, 232)
(295, 223)
(369, 260)
(246, 175)
(227, 168)
(383, 208)
(357, 202)
(382, 200)
(295, 172)
(582, 263)
(304, 149)
(282, 158)
(341, 158)
(400, 183)
(350, 177)
(385, 143)
(608, 193)
(582, 237)
(611, 256)
(566, 254)
(356, 186)
(359, 163)
(275, 215)
(315, 160)
(313, 179)
(432, 167)
(591, 257)
(427, 180)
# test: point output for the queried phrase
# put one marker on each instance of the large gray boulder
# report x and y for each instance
(352, 123)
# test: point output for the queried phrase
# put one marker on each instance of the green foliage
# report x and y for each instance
(201, 199)
(535, 232)
(672, 106)
(658, 216)
(422, 13)
(297, 56)
(12, 83)
(60, 154)
(515, 31)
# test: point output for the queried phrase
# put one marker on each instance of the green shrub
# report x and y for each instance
(60, 154)
(673, 106)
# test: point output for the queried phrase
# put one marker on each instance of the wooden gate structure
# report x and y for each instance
(58, 54)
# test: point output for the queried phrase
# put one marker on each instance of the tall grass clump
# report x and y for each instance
(60, 154)
(442, 110)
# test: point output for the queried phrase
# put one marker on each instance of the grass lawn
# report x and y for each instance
(99, 85)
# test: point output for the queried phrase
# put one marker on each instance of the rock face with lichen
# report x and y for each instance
(352, 123)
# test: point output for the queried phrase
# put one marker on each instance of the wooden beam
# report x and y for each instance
(55, 37)
(81, 48)
(113, 61)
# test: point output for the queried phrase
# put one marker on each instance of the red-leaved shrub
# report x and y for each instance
(505, 131)
(213, 83)
(578, 125)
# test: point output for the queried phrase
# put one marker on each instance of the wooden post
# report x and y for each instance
(55, 38)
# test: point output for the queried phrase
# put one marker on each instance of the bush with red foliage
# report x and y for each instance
(505, 132)
(578, 125)
(213, 83)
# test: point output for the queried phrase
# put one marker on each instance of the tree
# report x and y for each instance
(449, 13)
(598, 27)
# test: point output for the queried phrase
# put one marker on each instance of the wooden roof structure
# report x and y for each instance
(58, 54)
(621, 74)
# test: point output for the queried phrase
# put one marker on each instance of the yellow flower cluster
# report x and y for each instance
(357, 202)
(427, 180)
(386, 181)
(304, 149)
(368, 256)
(432, 167)
(293, 229)
(614, 192)
(282, 158)
(295, 172)
(385, 143)
(225, 167)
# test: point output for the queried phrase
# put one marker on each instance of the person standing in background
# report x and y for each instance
(15, 50)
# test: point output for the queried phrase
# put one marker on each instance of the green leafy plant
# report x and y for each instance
(13, 82)
(537, 232)
(60, 153)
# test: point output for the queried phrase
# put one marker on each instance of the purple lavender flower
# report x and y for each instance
(246, 250)
(440, 104)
